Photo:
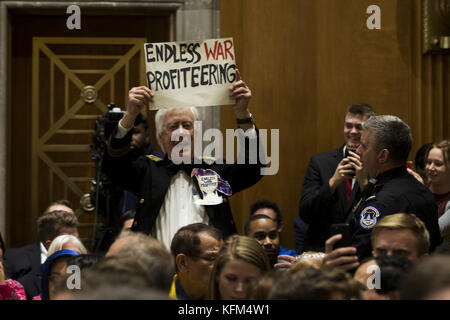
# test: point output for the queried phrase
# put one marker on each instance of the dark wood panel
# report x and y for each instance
(306, 61)
(275, 49)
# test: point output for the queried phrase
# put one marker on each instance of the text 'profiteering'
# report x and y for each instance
(190, 73)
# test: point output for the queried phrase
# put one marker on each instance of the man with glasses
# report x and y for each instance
(194, 248)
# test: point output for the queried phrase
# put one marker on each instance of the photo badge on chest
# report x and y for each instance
(210, 184)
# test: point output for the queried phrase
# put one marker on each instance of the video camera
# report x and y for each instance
(104, 126)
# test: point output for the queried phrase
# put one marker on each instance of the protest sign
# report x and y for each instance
(190, 73)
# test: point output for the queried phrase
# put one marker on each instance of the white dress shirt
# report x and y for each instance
(43, 253)
(178, 209)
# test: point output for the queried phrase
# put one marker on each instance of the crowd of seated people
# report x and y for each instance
(202, 265)
(398, 249)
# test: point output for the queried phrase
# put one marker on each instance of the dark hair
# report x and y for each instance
(140, 119)
(253, 218)
(187, 241)
(2, 244)
(362, 109)
(421, 154)
(392, 271)
(49, 224)
(62, 202)
(83, 260)
(266, 204)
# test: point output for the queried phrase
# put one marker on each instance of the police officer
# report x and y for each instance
(385, 145)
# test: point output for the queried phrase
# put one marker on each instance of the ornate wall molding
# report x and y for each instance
(436, 26)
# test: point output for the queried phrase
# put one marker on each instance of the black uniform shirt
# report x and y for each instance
(395, 191)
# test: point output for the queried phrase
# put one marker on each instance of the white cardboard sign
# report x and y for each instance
(190, 73)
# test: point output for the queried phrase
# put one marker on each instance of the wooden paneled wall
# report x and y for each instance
(306, 61)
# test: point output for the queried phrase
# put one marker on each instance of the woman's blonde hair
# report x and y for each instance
(308, 259)
(404, 221)
(236, 247)
(58, 243)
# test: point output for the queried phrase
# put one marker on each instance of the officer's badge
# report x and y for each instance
(369, 217)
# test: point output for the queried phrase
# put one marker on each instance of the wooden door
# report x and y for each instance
(73, 81)
(60, 82)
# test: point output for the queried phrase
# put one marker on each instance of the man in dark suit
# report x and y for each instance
(173, 195)
(24, 264)
(332, 181)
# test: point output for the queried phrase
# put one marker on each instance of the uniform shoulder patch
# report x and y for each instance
(369, 217)
(154, 158)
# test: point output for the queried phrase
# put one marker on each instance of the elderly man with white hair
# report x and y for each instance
(173, 195)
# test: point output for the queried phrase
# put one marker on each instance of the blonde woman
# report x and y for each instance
(66, 242)
(238, 264)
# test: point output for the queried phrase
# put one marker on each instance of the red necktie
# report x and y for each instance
(348, 189)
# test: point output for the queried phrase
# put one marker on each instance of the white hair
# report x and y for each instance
(58, 243)
(160, 119)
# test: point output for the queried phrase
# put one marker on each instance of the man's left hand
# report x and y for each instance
(242, 94)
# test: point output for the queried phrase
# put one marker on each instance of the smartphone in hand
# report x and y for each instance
(347, 154)
(344, 229)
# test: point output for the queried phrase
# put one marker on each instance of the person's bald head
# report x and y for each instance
(131, 241)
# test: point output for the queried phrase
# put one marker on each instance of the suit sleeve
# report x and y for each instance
(317, 198)
(444, 222)
(241, 176)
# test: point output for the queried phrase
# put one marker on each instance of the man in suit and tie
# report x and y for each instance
(333, 181)
(24, 264)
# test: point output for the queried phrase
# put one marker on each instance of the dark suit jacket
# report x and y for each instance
(24, 265)
(318, 206)
(149, 180)
(300, 230)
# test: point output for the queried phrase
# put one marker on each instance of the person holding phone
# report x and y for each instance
(385, 145)
(333, 181)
